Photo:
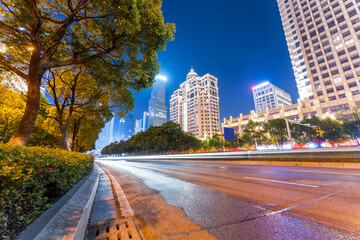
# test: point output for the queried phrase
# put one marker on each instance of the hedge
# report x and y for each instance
(31, 179)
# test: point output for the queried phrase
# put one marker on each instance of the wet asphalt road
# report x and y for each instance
(204, 200)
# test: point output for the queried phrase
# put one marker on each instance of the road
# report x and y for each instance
(210, 200)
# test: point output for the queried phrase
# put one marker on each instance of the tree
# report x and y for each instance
(277, 130)
(352, 129)
(117, 39)
(331, 129)
(309, 133)
(12, 105)
(84, 131)
(76, 94)
(167, 137)
(253, 134)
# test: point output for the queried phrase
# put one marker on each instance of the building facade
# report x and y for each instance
(195, 106)
(323, 42)
(157, 114)
(267, 95)
(106, 135)
(138, 126)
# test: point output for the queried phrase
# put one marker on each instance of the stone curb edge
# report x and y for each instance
(124, 205)
(70, 221)
(125, 208)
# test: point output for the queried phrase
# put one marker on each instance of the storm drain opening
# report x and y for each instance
(124, 229)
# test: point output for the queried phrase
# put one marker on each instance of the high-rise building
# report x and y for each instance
(195, 106)
(105, 136)
(145, 121)
(267, 95)
(127, 127)
(157, 108)
(138, 126)
(323, 41)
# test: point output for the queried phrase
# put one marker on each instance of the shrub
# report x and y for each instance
(31, 179)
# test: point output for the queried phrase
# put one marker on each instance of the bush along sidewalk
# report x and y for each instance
(31, 179)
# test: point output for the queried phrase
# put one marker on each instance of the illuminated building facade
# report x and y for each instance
(267, 95)
(195, 106)
(323, 42)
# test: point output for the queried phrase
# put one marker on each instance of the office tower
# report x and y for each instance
(138, 126)
(267, 95)
(323, 42)
(127, 127)
(157, 108)
(195, 106)
(145, 121)
(105, 136)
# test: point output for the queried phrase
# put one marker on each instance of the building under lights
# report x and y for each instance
(267, 95)
(195, 106)
(157, 114)
(323, 42)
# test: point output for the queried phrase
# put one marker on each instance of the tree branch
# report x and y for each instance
(13, 69)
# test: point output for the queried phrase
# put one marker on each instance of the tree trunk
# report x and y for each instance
(63, 131)
(23, 132)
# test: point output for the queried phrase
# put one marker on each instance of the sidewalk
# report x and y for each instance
(110, 217)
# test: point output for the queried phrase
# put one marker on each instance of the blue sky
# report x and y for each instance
(242, 43)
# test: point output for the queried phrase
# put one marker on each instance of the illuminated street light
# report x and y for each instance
(31, 49)
(22, 29)
(161, 77)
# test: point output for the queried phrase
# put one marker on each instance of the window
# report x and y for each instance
(337, 80)
(339, 88)
(330, 90)
(317, 86)
(349, 76)
(353, 84)
(347, 68)
(354, 93)
(353, 48)
(334, 72)
(332, 98)
(342, 96)
(320, 93)
(327, 83)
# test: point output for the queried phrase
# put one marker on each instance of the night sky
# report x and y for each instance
(242, 43)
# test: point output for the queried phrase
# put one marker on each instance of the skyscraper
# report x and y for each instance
(145, 121)
(267, 95)
(127, 127)
(323, 42)
(157, 114)
(195, 106)
(105, 136)
(138, 126)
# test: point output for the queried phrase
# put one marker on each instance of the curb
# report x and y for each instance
(121, 200)
(125, 208)
(69, 222)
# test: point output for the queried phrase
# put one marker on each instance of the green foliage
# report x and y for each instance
(32, 178)
(118, 40)
(12, 106)
(352, 129)
(167, 137)
(253, 134)
(331, 129)
(309, 133)
(277, 130)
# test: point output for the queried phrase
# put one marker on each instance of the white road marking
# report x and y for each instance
(301, 204)
(278, 181)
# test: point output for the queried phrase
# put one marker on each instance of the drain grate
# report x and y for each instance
(124, 229)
